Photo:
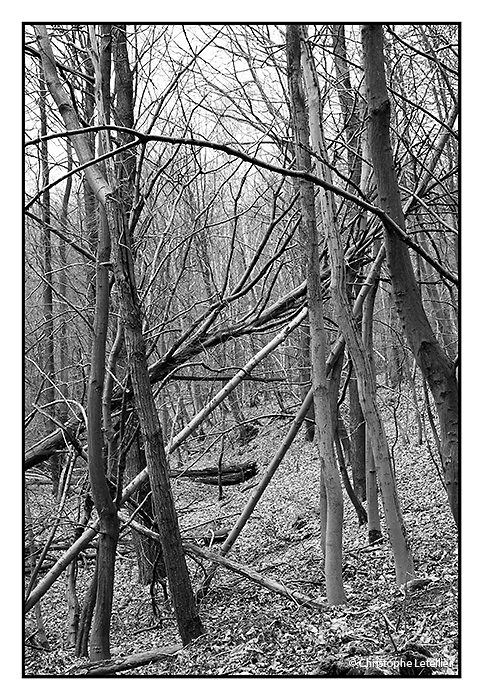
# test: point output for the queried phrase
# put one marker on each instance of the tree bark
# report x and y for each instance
(324, 419)
(48, 394)
(124, 663)
(109, 526)
(358, 441)
(356, 170)
(99, 647)
(189, 622)
(374, 523)
(305, 379)
(436, 367)
(148, 551)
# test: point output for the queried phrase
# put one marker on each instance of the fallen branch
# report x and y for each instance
(252, 575)
(123, 663)
(234, 566)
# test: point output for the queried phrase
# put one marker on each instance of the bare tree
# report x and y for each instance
(436, 367)
(331, 490)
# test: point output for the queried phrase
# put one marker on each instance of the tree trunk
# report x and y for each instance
(357, 441)
(63, 411)
(366, 380)
(374, 524)
(40, 631)
(356, 171)
(436, 367)
(147, 550)
(447, 332)
(348, 103)
(86, 615)
(189, 622)
(109, 526)
(305, 380)
(48, 394)
(325, 421)
(126, 662)
(99, 647)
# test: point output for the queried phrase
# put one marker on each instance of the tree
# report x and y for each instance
(366, 380)
(220, 186)
(436, 367)
(111, 217)
(331, 490)
(47, 294)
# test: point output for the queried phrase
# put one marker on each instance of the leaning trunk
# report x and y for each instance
(436, 367)
(189, 622)
(148, 551)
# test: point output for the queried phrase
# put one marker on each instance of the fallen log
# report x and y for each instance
(45, 448)
(123, 663)
(230, 473)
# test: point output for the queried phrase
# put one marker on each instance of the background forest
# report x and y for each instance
(241, 349)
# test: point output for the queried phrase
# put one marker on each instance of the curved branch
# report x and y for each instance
(73, 171)
(287, 172)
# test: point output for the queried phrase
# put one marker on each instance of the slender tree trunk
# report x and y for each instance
(72, 626)
(436, 367)
(91, 206)
(109, 526)
(374, 524)
(348, 102)
(357, 441)
(356, 169)
(340, 435)
(99, 647)
(325, 420)
(86, 610)
(42, 637)
(63, 328)
(366, 380)
(393, 346)
(305, 380)
(189, 622)
(48, 395)
(86, 615)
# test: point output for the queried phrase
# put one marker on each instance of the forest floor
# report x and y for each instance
(250, 630)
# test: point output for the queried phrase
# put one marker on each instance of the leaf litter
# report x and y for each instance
(250, 631)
